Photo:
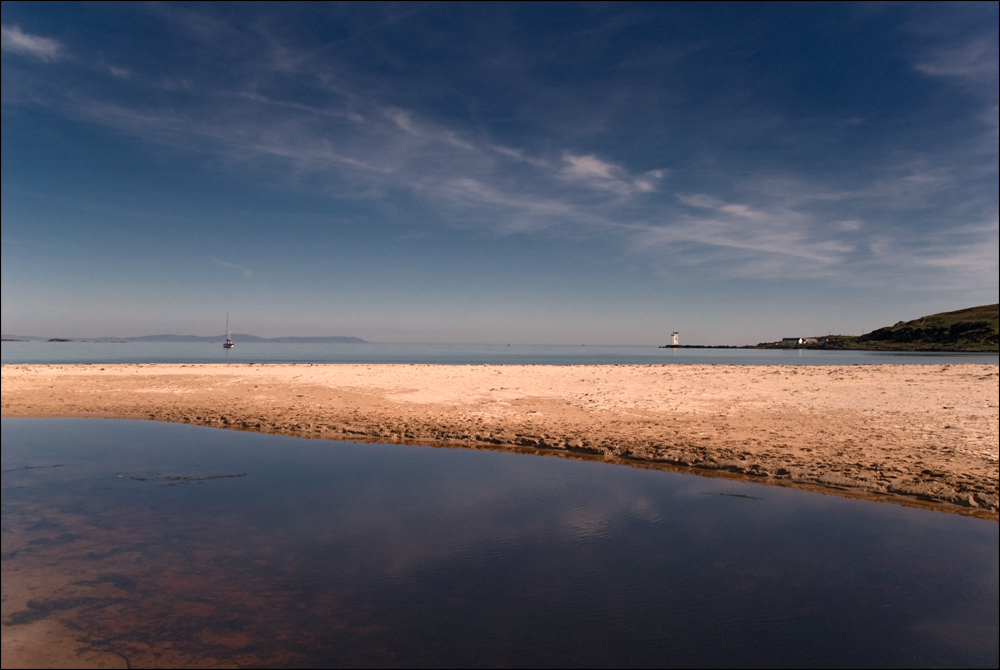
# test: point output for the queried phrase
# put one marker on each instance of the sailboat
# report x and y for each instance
(228, 344)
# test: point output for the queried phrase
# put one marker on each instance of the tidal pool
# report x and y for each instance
(158, 544)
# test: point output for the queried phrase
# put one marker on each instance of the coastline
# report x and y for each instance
(917, 434)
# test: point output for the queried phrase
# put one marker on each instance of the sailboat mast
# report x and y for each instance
(228, 344)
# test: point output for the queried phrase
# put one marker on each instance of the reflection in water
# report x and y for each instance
(177, 545)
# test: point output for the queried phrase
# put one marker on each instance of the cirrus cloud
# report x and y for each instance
(13, 40)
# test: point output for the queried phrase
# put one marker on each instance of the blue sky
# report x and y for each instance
(524, 173)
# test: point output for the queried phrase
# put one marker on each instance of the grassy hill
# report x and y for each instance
(972, 329)
(975, 328)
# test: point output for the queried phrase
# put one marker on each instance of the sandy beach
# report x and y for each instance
(920, 434)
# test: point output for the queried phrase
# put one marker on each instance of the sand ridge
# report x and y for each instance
(924, 432)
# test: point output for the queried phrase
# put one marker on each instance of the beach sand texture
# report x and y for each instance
(926, 434)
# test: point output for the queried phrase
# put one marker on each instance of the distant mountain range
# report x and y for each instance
(195, 338)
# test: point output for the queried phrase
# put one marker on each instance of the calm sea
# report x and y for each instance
(448, 354)
(182, 546)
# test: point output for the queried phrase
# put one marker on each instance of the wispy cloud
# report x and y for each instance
(404, 121)
(707, 202)
(974, 65)
(950, 259)
(976, 60)
(333, 112)
(286, 112)
(509, 211)
(381, 148)
(790, 228)
(233, 266)
(588, 168)
(518, 155)
(13, 40)
(595, 173)
(740, 240)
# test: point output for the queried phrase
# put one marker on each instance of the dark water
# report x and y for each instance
(165, 544)
(449, 354)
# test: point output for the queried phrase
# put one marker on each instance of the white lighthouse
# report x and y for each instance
(674, 339)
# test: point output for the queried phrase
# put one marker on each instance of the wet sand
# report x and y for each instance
(927, 434)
